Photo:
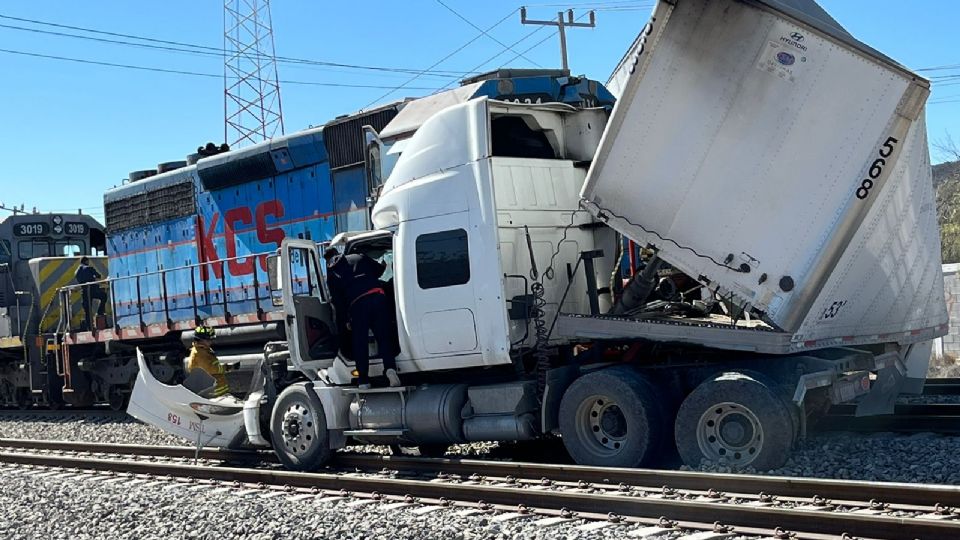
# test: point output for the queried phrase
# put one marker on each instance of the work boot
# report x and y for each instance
(393, 377)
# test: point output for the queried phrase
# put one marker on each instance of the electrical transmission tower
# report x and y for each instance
(251, 87)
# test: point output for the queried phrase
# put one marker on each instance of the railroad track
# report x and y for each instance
(631, 498)
(906, 418)
(942, 386)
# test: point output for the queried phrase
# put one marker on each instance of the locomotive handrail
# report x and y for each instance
(66, 290)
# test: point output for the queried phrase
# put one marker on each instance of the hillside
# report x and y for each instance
(946, 178)
(946, 170)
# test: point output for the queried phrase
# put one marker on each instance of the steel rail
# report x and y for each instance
(802, 488)
(946, 386)
(794, 519)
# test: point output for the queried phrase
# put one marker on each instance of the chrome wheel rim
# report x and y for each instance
(602, 425)
(730, 433)
(298, 429)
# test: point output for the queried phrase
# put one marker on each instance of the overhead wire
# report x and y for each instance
(440, 61)
(494, 57)
(189, 73)
(484, 32)
(192, 48)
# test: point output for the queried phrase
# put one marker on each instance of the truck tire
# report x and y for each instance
(612, 417)
(298, 430)
(737, 420)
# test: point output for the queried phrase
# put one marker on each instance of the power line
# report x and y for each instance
(16, 210)
(484, 32)
(438, 62)
(191, 73)
(191, 48)
(502, 51)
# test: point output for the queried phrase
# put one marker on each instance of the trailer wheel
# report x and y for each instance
(612, 417)
(737, 420)
(298, 430)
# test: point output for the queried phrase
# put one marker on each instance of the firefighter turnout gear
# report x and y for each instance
(202, 357)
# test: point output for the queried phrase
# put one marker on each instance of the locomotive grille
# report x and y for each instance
(154, 206)
(344, 140)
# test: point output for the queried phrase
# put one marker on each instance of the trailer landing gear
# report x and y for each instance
(612, 417)
(298, 430)
(735, 419)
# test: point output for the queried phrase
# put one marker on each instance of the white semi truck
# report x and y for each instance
(774, 171)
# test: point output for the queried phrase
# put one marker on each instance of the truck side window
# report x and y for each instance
(443, 259)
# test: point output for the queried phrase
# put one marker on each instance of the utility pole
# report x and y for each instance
(561, 25)
(16, 210)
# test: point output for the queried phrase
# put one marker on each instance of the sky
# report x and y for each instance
(71, 130)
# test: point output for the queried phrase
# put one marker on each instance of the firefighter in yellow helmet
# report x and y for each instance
(203, 357)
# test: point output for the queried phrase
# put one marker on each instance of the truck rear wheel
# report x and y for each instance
(298, 430)
(612, 417)
(735, 419)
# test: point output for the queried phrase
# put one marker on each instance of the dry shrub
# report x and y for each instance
(945, 365)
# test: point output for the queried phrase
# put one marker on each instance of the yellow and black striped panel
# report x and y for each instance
(52, 273)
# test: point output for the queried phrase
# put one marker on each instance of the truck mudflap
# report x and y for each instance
(217, 422)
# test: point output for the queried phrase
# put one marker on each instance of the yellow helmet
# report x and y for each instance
(204, 332)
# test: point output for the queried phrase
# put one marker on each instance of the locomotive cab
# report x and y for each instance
(39, 253)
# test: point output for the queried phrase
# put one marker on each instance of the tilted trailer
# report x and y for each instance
(773, 170)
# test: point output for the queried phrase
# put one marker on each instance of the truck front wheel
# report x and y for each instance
(737, 420)
(298, 430)
(612, 417)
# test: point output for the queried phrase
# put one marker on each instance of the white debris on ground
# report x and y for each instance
(87, 507)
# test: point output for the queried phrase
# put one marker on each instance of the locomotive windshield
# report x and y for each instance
(36, 235)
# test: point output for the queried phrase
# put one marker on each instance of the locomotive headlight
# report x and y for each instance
(58, 229)
(57, 220)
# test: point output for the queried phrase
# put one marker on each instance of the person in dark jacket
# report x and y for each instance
(88, 274)
(360, 300)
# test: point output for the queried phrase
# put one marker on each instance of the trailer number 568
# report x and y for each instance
(876, 169)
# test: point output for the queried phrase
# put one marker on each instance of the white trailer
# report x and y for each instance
(773, 169)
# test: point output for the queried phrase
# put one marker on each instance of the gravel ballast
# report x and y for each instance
(114, 429)
(87, 507)
(880, 457)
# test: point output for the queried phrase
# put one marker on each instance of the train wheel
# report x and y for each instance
(735, 419)
(612, 417)
(23, 398)
(298, 429)
(116, 398)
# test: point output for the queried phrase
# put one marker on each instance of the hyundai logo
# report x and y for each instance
(796, 36)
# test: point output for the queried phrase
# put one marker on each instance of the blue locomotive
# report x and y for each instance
(187, 244)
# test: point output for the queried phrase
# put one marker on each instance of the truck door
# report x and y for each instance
(309, 316)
